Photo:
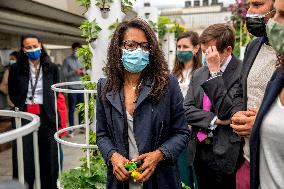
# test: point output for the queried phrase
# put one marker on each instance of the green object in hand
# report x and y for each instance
(130, 166)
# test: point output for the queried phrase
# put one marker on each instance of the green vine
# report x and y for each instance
(84, 3)
(126, 5)
(163, 27)
(83, 177)
(104, 4)
(90, 30)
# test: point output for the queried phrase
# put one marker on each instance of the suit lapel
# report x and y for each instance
(144, 92)
(116, 100)
(203, 77)
(251, 58)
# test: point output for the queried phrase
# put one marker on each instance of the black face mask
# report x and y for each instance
(256, 25)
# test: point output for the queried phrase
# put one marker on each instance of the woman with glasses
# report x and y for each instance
(266, 142)
(140, 113)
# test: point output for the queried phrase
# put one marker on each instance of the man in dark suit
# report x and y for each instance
(208, 106)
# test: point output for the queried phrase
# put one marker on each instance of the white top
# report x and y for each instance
(184, 84)
(259, 75)
(133, 150)
(271, 153)
(38, 98)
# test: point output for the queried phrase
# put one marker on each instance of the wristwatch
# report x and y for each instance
(215, 74)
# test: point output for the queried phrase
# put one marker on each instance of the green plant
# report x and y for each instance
(104, 4)
(114, 25)
(90, 30)
(184, 186)
(177, 29)
(126, 5)
(84, 178)
(85, 3)
(86, 55)
(162, 26)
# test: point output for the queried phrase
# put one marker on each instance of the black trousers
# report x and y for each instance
(209, 174)
(48, 155)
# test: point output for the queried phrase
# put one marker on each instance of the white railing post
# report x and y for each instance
(57, 128)
(20, 156)
(36, 160)
(18, 134)
(87, 122)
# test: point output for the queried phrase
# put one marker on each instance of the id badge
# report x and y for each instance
(33, 108)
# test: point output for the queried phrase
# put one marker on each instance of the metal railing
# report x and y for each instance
(58, 88)
(18, 134)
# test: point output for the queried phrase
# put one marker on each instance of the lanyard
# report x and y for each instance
(34, 86)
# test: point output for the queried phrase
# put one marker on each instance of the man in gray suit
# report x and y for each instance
(208, 106)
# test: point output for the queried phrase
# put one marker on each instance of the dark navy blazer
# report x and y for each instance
(159, 125)
(273, 89)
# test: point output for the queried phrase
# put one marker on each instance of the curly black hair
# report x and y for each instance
(280, 63)
(157, 70)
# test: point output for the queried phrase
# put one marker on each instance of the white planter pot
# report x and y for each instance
(93, 44)
(105, 12)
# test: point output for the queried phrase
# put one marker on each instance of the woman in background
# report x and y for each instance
(29, 84)
(188, 59)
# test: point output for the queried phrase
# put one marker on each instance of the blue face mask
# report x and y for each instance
(204, 63)
(33, 54)
(135, 61)
(12, 62)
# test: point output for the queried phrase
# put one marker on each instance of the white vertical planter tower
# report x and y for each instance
(100, 46)
(169, 48)
(148, 12)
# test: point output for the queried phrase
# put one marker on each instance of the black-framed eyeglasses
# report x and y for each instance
(133, 45)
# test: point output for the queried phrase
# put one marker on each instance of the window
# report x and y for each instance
(147, 4)
(187, 4)
(196, 3)
(205, 2)
(214, 2)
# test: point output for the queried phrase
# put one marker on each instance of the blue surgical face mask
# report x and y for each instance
(12, 62)
(135, 61)
(204, 63)
(33, 54)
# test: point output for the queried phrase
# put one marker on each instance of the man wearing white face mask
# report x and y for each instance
(258, 66)
(208, 106)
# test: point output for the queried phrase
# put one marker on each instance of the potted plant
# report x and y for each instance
(90, 31)
(83, 177)
(104, 6)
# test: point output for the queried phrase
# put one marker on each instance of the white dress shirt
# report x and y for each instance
(38, 97)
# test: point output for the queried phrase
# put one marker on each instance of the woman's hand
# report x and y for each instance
(119, 170)
(150, 161)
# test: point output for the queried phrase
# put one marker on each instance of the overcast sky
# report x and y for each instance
(171, 3)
